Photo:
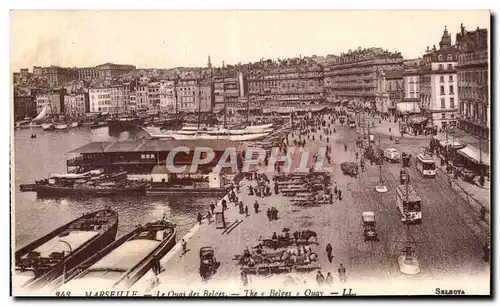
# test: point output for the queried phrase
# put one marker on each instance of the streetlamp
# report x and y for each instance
(64, 263)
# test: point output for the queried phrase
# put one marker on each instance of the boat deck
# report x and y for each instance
(75, 239)
(126, 256)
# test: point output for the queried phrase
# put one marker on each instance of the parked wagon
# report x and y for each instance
(349, 168)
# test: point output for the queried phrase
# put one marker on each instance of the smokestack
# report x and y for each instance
(241, 84)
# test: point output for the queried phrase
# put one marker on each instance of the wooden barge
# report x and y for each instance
(48, 257)
(123, 262)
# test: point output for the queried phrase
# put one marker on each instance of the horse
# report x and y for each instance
(305, 235)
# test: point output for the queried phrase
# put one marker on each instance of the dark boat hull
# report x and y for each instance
(124, 125)
(133, 275)
(52, 191)
(74, 258)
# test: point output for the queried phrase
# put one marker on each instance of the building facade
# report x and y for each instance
(394, 87)
(76, 104)
(114, 100)
(167, 96)
(54, 101)
(410, 102)
(285, 86)
(354, 76)
(24, 104)
(438, 83)
(59, 76)
(473, 81)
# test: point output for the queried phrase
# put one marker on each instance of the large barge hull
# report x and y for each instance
(75, 257)
(187, 191)
(53, 191)
(133, 274)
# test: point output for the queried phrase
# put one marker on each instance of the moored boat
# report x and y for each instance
(48, 257)
(122, 263)
(61, 126)
(91, 183)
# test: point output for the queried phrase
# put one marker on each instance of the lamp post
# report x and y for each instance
(64, 263)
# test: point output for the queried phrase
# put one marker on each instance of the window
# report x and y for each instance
(440, 58)
(443, 115)
(452, 116)
(450, 78)
(452, 102)
(443, 103)
(440, 67)
(451, 90)
(441, 79)
(442, 90)
(450, 66)
(450, 57)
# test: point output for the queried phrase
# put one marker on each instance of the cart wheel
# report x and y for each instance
(264, 270)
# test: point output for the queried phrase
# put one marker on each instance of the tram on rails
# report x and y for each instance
(409, 204)
(426, 165)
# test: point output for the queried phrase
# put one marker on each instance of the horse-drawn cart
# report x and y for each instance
(208, 263)
(349, 168)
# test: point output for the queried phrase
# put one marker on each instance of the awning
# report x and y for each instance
(475, 155)
(408, 107)
(453, 144)
(418, 120)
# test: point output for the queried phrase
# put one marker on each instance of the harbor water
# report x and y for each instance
(36, 157)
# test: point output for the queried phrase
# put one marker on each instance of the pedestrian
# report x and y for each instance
(342, 276)
(345, 147)
(340, 195)
(199, 218)
(329, 250)
(209, 217)
(482, 213)
(320, 279)
(269, 214)
(212, 208)
(276, 188)
(184, 247)
(486, 252)
(274, 214)
(224, 205)
(246, 210)
(336, 190)
(244, 278)
(329, 279)
(256, 207)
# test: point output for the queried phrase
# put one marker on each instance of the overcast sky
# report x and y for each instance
(168, 39)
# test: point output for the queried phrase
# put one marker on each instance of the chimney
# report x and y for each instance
(462, 29)
(477, 37)
(434, 48)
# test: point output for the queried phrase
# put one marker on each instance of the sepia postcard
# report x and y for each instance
(250, 154)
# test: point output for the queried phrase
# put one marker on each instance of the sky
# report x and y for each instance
(166, 39)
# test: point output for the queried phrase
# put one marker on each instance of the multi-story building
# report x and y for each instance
(354, 75)
(153, 94)
(194, 95)
(394, 86)
(473, 85)
(114, 100)
(76, 104)
(438, 83)
(53, 100)
(59, 76)
(133, 103)
(167, 96)
(24, 103)
(285, 85)
(141, 98)
(410, 102)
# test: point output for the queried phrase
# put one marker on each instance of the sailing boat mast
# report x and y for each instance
(199, 99)
(224, 95)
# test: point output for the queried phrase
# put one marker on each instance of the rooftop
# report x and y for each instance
(152, 145)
